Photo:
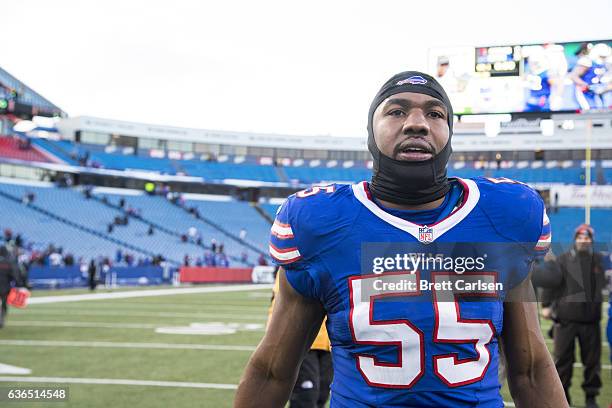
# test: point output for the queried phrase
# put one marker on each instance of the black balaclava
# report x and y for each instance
(402, 182)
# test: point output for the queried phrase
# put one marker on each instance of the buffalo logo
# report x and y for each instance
(414, 80)
(426, 234)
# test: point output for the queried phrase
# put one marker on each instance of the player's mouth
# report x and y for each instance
(414, 150)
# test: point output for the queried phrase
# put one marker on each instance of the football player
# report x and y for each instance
(408, 347)
(592, 79)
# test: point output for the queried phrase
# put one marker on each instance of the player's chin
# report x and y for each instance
(413, 156)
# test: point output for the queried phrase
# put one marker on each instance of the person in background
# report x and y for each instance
(572, 298)
(222, 260)
(209, 258)
(591, 77)
(91, 274)
(538, 82)
(9, 272)
(213, 245)
(23, 262)
(261, 261)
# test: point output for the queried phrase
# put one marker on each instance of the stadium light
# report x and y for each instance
(492, 127)
(547, 126)
(567, 124)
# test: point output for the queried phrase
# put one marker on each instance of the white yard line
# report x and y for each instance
(112, 344)
(107, 325)
(146, 293)
(127, 312)
(113, 381)
(11, 369)
(174, 346)
(158, 305)
(141, 383)
(97, 325)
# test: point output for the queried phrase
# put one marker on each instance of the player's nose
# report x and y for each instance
(416, 123)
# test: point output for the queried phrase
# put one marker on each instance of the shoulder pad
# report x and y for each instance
(309, 222)
(516, 210)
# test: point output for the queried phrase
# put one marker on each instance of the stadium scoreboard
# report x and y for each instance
(525, 78)
(498, 61)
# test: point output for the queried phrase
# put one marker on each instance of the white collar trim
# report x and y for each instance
(439, 228)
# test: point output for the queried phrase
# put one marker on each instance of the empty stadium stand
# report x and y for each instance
(14, 148)
(312, 171)
(66, 218)
(565, 221)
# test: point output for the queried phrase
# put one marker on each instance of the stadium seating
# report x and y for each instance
(63, 150)
(42, 230)
(9, 148)
(270, 209)
(86, 235)
(527, 171)
(160, 211)
(565, 221)
(311, 175)
(124, 162)
(308, 172)
(221, 171)
(235, 216)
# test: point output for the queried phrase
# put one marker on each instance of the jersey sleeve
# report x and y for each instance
(284, 247)
(543, 245)
(518, 214)
(291, 246)
(308, 225)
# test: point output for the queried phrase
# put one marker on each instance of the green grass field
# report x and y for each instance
(96, 341)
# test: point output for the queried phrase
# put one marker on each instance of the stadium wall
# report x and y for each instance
(194, 274)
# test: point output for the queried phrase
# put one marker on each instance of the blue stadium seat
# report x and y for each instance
(93, 214)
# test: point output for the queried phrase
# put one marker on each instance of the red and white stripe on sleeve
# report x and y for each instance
(283, 245)
(545, 238)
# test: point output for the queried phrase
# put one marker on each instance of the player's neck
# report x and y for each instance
(426, 206)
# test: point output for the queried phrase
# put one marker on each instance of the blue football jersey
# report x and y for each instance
(539, 92)
(594, 74)
(408, 346)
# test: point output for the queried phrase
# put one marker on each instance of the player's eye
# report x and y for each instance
(396, 112)
(436, 114)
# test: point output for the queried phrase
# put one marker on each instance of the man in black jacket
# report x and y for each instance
(9, 272)
(573, 299)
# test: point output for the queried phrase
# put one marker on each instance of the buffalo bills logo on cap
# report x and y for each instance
(414, 80)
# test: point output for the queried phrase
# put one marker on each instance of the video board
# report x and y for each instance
(551, 77)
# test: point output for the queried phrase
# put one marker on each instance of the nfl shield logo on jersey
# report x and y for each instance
(426, 234)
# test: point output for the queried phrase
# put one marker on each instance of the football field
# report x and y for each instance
(159, 350)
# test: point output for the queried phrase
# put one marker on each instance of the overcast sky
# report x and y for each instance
(308, 67)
